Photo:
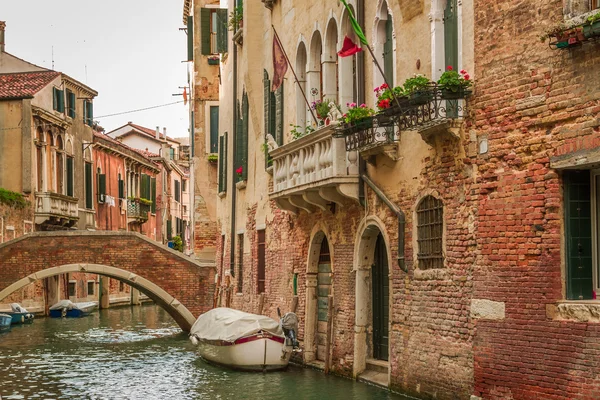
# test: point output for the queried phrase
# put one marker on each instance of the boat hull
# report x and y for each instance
(21, 318)
(74, 313)
(253, 353)
(5, 322)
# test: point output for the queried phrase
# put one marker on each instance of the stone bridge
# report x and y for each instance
(183, 287)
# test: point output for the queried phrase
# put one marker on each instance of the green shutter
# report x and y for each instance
(153, 194)
(214, 128)
(222, 31)
(221, 162)
(70, 176)
(91, 113)
(101, 186)
(245, 116)
(388, 50)
(54, 98)
(578, 234)
(177, 191)
(192, 136)
(279, 107)
(267, 110)
(237, 151)
(71, 102)
(190, 38)
(60, 98)
(225, 161)
(205, 30)
(169, 229)
(121, 189)
(88, 186)
(451, 48)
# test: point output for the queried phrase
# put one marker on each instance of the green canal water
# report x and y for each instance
(140, 353)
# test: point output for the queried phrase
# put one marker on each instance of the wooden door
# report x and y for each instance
(323, 292)
(381, 303)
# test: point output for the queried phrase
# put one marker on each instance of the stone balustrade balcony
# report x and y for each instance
(55, 209)
(313, 172)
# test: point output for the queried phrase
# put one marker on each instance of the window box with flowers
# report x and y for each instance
(358, 118)
(241, 182)
(418, 90)
(454, 84)
(389, 101)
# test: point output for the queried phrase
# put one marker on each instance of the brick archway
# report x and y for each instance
(183, 287)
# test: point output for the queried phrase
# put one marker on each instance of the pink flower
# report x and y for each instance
(363, 105)
(467, 77)
(240, 170)
(352, 104)
(449, 68)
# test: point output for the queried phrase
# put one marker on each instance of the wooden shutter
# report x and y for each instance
(153, 194)
(71, 102)
(267, 101)
(214, 128)
(121, 189)
(177, 189)
(388, 50)
(222, 30)
(54, 98)
(205, 30)
(88, 185)
(278, 115)
(261, 261)
(578, 234)
(245, 112)
(169, 229)
(451, 34)
(238, 140)
(101, 187)
(190, 38)
(221, 163)
(61, 101)
(70, 176)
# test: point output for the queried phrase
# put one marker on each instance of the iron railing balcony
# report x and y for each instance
(137, 211)
(313, 172)
(427, 111)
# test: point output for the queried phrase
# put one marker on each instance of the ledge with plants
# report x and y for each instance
(13, 199)
(564, 35)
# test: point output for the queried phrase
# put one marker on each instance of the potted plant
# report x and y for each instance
(359, 117)
(323, 108)
(213, 60)
(240, 173)
(388, 99)
(236, 18)
(213, 158)
(454, 84)
(592, 27)
(418, 90)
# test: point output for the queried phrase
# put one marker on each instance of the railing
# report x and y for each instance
(423, 109)
(314, 170)
(54, 206)
(137, 211)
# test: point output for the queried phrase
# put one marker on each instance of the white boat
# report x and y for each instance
(244, 341)
(66, 308)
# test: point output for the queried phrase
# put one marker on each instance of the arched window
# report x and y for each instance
(301, 110)
(384, 46)
(430, 230)
(49, 158)
(40, 164)
(314, 73)
(347, 82)
(330, 62)
(60, 165)
(444, 36)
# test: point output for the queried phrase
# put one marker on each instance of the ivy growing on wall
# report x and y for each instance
(12, 199)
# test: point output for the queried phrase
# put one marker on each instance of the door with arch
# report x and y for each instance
(323, 292)
(381, 301)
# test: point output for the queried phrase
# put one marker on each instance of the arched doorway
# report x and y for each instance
(380, 305)
(323, 292)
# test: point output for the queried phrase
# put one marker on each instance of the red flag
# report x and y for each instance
(280, 65)
(184, 97)
(349, 48)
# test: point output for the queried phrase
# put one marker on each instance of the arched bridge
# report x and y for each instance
(183, 287)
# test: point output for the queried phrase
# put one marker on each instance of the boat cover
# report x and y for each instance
(228, 325)
(16, 307)
(69, 305)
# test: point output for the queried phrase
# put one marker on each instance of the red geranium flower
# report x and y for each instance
(467, 77)
(463, 72)
(449, 68)
(385, 103)
(240, 170)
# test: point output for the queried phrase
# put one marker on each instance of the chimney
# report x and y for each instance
(2, 28)
(158, 133)
(165, 132)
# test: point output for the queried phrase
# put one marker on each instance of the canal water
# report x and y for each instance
(140, 353)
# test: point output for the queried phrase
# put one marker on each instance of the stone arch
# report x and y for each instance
(364, 253)
(301, 63)
(379, 40)
(330, 62)
(184, 318)
(314, 72)
(318, 235)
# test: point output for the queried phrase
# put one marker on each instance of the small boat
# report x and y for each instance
(5, 322)
(66, 308)
(19, 314)
(245, 341)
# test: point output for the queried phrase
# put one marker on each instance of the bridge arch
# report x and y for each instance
(180, 285)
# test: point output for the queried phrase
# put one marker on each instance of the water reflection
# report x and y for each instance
(140, 353)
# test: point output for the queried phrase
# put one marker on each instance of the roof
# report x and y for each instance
(24, 85)
(151, 133)
(143, 153)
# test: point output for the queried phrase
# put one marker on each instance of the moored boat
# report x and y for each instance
(243, 341)
(5, 322)
(66, 308)
(19, 314)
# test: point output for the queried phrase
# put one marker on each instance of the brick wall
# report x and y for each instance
(532, 103)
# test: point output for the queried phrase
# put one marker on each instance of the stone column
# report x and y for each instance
(311, 318)
(53, 288)
(104, 292)
(135, 297)
(363, 295)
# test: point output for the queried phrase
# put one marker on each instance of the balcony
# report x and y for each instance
(54, 209)
(137, 212)
(431, 112)
(313, 172)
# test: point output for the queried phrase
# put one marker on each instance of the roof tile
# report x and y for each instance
(23, 85)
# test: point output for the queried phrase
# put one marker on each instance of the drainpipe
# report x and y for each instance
(399, 214)
(360, 89)
(233, 187)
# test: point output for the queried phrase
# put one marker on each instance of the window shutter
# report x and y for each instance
(54, 98)
(70, 176)
(388, 51)
(121, 189)
(205, 30)
(214, 128)
(238, 139)
(71, 104)
(177, 189)
(153, 194)
(266, 100)
(245, 136)
(61, 101)
(88, 185)
(101, 187)
(190, 38)
(278, 123)
(222, 31)
(143, 186)
(221, 163)
(169, 229)
(91, 113)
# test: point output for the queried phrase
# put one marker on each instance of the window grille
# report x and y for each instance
(430, 226)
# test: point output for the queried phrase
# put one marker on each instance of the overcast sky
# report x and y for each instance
(129, 51)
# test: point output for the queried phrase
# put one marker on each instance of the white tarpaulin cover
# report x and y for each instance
(229, 325)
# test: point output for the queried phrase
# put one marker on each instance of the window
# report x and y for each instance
(214, 129)
(594, 4)
(241, 140)
(58, 100)
(171, 153)
(70, 188)
(88, 112)
(88, 186)
(261, 261)
(70, 104)
(240, 263)
(101, 186)
(72, 289)
(190, 38)
(430, 226)
(169, 229)
(121, 286)
(39, 147)
(121, 187)
(90, 288)
(145, 187)
(214, 30)
(273, 113)
(183, 186)
(60, 166)
(177, 191)
(223, 163)
(153, 194)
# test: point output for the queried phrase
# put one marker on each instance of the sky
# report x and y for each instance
(129, 51)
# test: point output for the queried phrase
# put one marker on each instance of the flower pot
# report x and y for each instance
(455, 93)
(591, 30)
(568, 38)
(420, 97)
(213, 61)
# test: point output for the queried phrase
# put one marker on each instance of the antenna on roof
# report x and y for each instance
(52, 58)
